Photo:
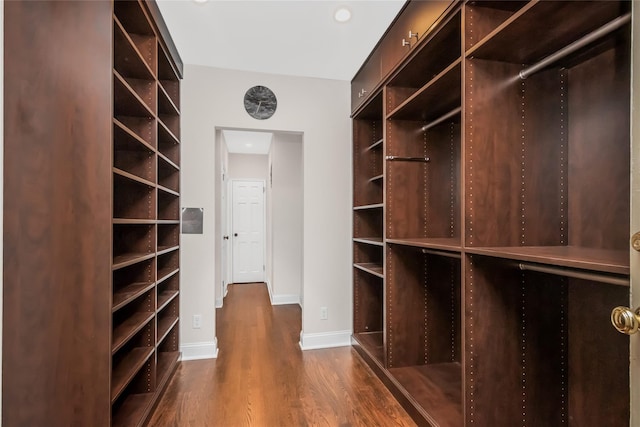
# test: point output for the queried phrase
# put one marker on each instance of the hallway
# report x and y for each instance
(262, 378)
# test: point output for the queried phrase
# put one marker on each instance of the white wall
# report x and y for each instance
(287, 218)
(249, 166)
(317, 108)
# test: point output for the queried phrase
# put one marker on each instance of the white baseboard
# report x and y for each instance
(285, 299)
(199, 350)
(219, 302)
(325, 340)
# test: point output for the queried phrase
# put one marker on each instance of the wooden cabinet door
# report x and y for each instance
(366, 80)
(417, 17)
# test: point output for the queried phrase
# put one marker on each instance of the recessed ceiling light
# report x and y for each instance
(248, 145)
(200, 1)
(342, 14)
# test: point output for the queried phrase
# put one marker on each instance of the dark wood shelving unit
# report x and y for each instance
(491, 216)
(146, 188)
(102, 198)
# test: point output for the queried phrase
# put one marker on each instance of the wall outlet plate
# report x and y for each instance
(197, 321)
(324, 313)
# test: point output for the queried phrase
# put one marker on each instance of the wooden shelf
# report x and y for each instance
(444, 243)
(127, 369)
(373, 206)
(129, 293)
(127, 140)
(372, 342)
(166, 135)
(564, 22)
(172, 89)
(129, 221)
(165, 103)
(371, 110)
(376, 241)
(165, 324)
(164, 124)
(132, 410)
(125, 260)
(437, 389)
(377, 144)
(439, 96)
(371, 268)
(165, 273)
(132, 177)
(376, 178)
(168, 190)
(165, 159)
(167, 361)
(126, 102)
(605, 261)
(165, 297)
(126, 330)
(433, 56)
(166, 249)
(127, 58)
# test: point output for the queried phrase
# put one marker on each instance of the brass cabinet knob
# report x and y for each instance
(635, 241)
(625, 320)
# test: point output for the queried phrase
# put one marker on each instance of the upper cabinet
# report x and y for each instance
(366, 80)
(411, 28)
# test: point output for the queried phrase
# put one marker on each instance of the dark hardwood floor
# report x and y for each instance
(262, 378)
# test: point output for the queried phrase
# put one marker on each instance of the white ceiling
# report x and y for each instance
(295, 37)
(247, 142)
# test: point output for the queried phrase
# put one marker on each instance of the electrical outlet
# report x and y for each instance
(324, 313)
(197, 321)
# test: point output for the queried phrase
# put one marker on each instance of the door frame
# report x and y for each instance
(634, 291)
(230, 259)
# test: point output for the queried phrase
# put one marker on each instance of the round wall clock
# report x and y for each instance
(260, 102)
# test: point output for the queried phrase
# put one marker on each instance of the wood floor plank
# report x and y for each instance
(262, 378)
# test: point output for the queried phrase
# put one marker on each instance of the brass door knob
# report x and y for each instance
(635, 241)
(625, 320)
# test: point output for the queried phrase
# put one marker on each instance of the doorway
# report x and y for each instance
(280, 166)
(248, 231)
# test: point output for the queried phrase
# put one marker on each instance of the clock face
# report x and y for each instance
(260, 102)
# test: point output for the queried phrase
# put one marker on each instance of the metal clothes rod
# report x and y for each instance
(575, 274)
(578, 44)
(436, 122)
(441, 253)
(408, 159)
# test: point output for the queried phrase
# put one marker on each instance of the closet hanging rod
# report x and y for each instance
(408, 159)
(441, 253)
(439, 120)
(578, 44)
(559, 271)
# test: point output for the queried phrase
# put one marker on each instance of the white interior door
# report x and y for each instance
(248, 219)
